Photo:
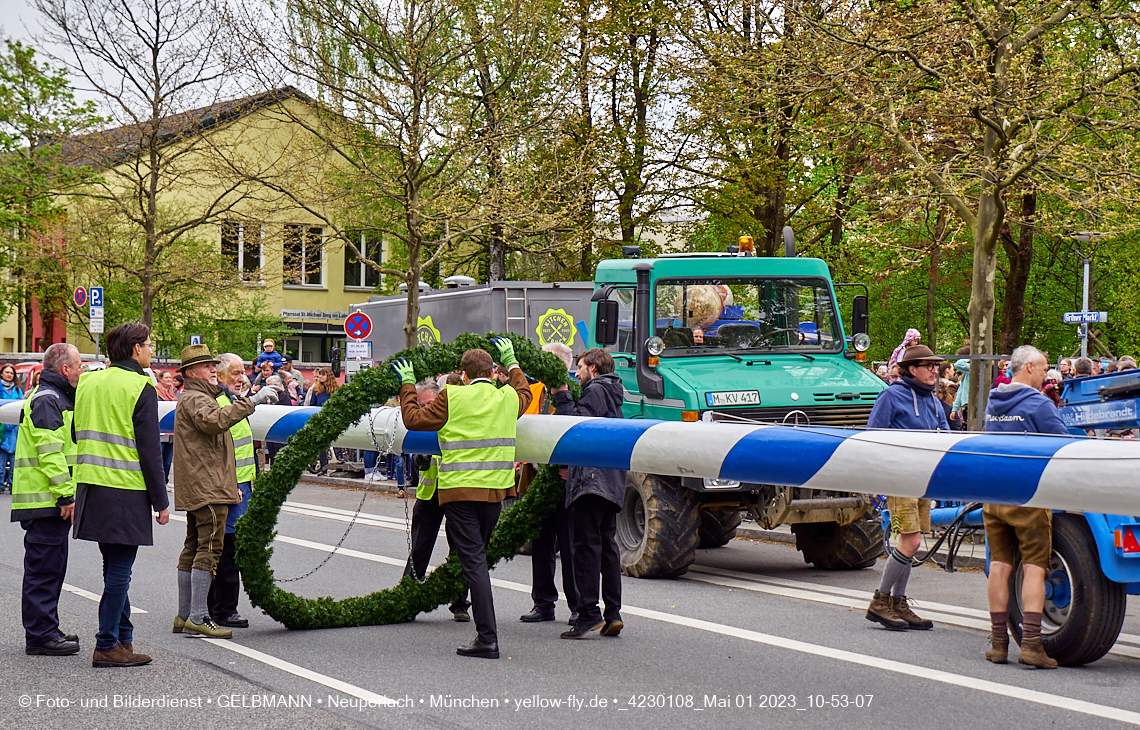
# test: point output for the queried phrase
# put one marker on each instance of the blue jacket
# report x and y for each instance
(1018, 408)
(273, 357)
(9, 431)
(900, 407)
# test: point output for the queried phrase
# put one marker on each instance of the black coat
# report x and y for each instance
(124, 516)
(601, 397)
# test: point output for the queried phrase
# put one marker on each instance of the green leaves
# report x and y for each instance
(256, 530)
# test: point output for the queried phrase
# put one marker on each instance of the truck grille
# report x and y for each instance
(839, 415)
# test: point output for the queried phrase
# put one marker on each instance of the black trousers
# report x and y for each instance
(593, 520)
(45, 564)
(222, 600)
(469, 528)
(555, 535)
(427, 516)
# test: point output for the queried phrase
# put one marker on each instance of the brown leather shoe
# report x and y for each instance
(998, 653)
(902, 610)
(120, 656)
(882, 611)
(1033, 654)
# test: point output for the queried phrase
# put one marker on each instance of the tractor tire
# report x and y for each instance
(657, 528)
(1088, 624)
(718, 527)
(828, 546)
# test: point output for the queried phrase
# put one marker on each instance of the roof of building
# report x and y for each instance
(103, 147)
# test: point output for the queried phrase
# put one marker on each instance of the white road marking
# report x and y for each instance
(331, 683)
(92, 596)
(911, 670)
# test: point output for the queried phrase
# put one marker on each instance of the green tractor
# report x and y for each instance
(736, 338)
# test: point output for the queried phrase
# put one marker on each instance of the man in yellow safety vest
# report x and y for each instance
(119, 480)
(476, 426)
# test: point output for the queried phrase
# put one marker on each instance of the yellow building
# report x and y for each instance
(273, 246)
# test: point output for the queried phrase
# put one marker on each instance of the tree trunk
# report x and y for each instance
(981, 308)
(932, 294)
(1020, 255)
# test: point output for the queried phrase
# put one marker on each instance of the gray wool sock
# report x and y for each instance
(183, 594)
(200, 587)
(897, 569)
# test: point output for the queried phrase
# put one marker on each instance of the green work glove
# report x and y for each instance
(404, 370)
(506, 351)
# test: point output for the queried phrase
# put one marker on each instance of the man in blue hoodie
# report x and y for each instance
(909, 403)
(1019, 407)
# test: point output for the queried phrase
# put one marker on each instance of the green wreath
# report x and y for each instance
(401, 603)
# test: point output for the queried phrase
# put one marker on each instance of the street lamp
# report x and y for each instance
(1092, 237)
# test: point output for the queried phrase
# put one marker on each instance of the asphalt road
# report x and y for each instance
(751, 637)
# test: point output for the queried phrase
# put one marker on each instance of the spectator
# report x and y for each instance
(946, 392)
(1110, 367)
(179, 381)
(1066, 368)
(1002, 377)
(33, 381)
(1052, 387)
(946, 373)
(881, 371)
(270, 355)
(10, 390)
(324, 385)
(292, 383)
(913, 337)
(1083, 367)
(1126, 362)
(265, 371)
(959, 410)
(894, 373)
(166, 392)
(1096, 366)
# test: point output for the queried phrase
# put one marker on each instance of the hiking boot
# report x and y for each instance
(207, 628)
(120, 656)
(1033, 654)
(902, 610)
(998, 653)
(882, 611)
(179, 623)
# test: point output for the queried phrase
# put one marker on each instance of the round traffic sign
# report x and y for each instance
(358, 325)
(80, 296)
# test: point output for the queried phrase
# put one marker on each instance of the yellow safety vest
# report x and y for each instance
(243, 445)
(428, 480)
(106, 453)
(478, 440)
(43, 461)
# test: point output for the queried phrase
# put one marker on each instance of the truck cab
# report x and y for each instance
(729, 337)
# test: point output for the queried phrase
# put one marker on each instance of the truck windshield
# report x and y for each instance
(699, 316)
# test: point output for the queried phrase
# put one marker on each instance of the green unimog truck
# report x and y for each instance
(732, 337)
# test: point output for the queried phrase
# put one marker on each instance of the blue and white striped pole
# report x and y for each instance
(1057, 472)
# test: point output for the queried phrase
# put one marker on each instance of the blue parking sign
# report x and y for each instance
(96, 296)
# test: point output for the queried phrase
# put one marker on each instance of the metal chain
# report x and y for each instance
(389, 441)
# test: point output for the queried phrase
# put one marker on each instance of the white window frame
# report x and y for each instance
(306, 229)
(364, 268)
(242, 228)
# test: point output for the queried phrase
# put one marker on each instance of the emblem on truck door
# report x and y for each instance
(555, 326)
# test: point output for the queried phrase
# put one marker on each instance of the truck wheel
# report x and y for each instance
(718, 527)
(657, 527)
(828, 546)
(1084, 610)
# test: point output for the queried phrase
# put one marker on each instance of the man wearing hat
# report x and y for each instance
(909, 403)
(205, 482)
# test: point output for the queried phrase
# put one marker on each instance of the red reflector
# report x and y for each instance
(1130, 544)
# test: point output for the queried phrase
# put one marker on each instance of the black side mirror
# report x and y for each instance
(859, 314)
(606, 323)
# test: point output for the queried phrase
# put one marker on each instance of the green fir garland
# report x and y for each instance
(401, 603)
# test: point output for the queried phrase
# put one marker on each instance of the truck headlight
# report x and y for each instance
(861, 342)
(655, 346)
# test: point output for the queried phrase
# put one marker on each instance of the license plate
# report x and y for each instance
(733, 398)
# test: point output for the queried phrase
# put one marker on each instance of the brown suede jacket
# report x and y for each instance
(433, 416)
(205, 468)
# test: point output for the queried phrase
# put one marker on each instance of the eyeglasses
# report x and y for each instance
(146, 345)
(927, 365)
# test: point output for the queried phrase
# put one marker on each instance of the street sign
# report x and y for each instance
(96, 296)
(357, 325)
(95, 312)
(80, 296)
(95, 326)
(359, 351)
(1085, 317)
(195, 339)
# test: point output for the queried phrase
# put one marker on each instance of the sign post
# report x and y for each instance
(95, 326)
(357, 326)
